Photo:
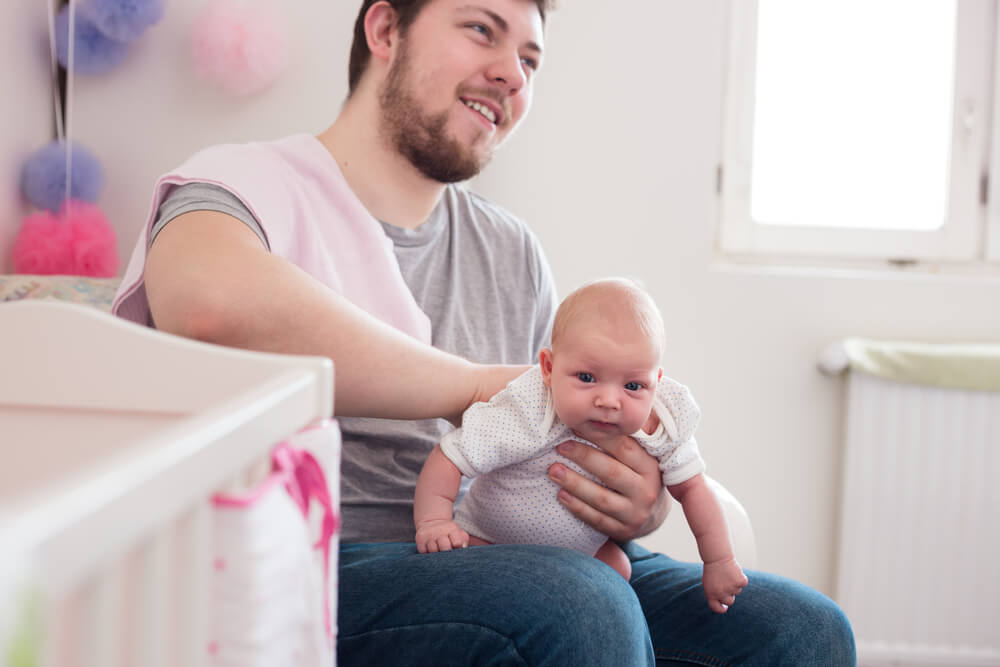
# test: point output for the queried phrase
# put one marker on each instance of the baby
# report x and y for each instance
(601, 379)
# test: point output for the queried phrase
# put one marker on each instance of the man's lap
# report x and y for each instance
(520, 604)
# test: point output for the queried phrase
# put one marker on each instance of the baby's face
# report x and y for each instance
(603, 380)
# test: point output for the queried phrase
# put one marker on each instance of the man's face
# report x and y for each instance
(460, 82)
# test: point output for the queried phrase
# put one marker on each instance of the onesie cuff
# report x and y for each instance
(450, 446)
(675, 476)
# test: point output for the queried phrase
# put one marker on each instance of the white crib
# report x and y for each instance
(114, 438)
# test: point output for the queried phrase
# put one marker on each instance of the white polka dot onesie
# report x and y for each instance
(508, 444)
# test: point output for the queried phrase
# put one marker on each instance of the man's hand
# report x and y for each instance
(632, 502)
(440, 535)
(723, 581)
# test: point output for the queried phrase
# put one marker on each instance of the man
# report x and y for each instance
(244, 260)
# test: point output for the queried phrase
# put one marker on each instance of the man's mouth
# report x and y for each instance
(486, 112)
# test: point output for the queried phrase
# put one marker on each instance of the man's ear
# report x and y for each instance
(545, 361)
(380, 30)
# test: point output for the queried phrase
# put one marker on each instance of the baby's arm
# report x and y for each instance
(722, 578)
(434, 503)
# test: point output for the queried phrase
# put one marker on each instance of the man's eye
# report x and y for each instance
(585, 377)
(480, 28)
(530, 63)
(633, 386)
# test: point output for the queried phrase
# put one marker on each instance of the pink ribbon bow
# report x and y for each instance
(305, 481)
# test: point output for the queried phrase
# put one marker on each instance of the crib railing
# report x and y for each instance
(115, 439)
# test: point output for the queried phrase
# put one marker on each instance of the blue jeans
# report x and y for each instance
(535, 605)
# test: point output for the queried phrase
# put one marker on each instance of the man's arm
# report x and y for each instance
(209, 277)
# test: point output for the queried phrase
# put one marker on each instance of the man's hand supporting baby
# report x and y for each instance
(632, 502)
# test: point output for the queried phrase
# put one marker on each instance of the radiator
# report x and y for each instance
(920, 523)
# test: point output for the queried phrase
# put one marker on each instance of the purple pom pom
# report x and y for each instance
(93, 52)
(122, 20)
(43, 176)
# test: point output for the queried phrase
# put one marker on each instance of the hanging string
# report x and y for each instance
(53, 60)
(71, 47)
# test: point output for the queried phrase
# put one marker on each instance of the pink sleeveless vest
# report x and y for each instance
(310, 217)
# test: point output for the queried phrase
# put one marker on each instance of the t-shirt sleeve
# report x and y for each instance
(673, 443)
(547, 303)
(502, 432)
(196, 196)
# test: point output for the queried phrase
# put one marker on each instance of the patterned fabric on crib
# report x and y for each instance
(97, 292)
(274, 584)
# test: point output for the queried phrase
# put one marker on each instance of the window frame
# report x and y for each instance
(971, 231)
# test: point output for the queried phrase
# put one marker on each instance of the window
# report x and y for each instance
(861, 129)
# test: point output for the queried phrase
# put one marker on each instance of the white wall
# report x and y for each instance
(152, 112)
(615, 170)
(26, 108)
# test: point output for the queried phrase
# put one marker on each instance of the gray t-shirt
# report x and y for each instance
(480, 275)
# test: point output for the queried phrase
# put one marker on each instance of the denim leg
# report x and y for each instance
(775, 621)
(490, 605)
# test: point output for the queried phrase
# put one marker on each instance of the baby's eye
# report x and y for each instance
(633, 386)
(480, 28)
(585, 377)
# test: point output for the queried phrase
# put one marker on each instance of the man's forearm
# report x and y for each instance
(208, 277)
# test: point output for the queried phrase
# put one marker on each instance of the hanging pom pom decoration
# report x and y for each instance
(239, 47)
(92, 243)
(121, 20)
(43, 176)
(41, 246)
(78, 240)
(93, 51)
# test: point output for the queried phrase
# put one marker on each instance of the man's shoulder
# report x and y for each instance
(487, 212)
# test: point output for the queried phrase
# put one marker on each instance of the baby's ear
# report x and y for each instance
(659, 374)
(545, 362)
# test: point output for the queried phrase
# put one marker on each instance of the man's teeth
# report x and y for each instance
(486, 111)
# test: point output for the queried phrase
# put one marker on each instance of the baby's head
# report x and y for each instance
(604, 363)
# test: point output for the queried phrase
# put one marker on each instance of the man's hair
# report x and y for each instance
(407, 12)
(620, 301)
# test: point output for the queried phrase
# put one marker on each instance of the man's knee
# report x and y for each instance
(577, 610)
(541, 604)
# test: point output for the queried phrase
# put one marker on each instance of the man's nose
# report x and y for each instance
(508, 71)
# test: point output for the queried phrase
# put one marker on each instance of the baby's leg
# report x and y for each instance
(477, 541)
(612, 554)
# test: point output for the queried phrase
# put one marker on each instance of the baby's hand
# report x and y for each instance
(723, 580)
(440, 535)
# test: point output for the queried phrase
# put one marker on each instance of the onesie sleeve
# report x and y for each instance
(504, 431)
(673, 443)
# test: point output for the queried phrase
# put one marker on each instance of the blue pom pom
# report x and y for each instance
(94, 52)
(43, 177)
(122, 20)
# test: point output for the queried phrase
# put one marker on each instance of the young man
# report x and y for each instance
(270, 247)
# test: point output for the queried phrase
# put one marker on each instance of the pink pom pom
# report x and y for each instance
(42, 246)
(77, 241)
(239, 47)
(92, 242)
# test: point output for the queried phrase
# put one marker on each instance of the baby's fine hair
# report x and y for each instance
(616, 300)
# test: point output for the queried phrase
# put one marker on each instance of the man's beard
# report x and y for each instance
(421, 137)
